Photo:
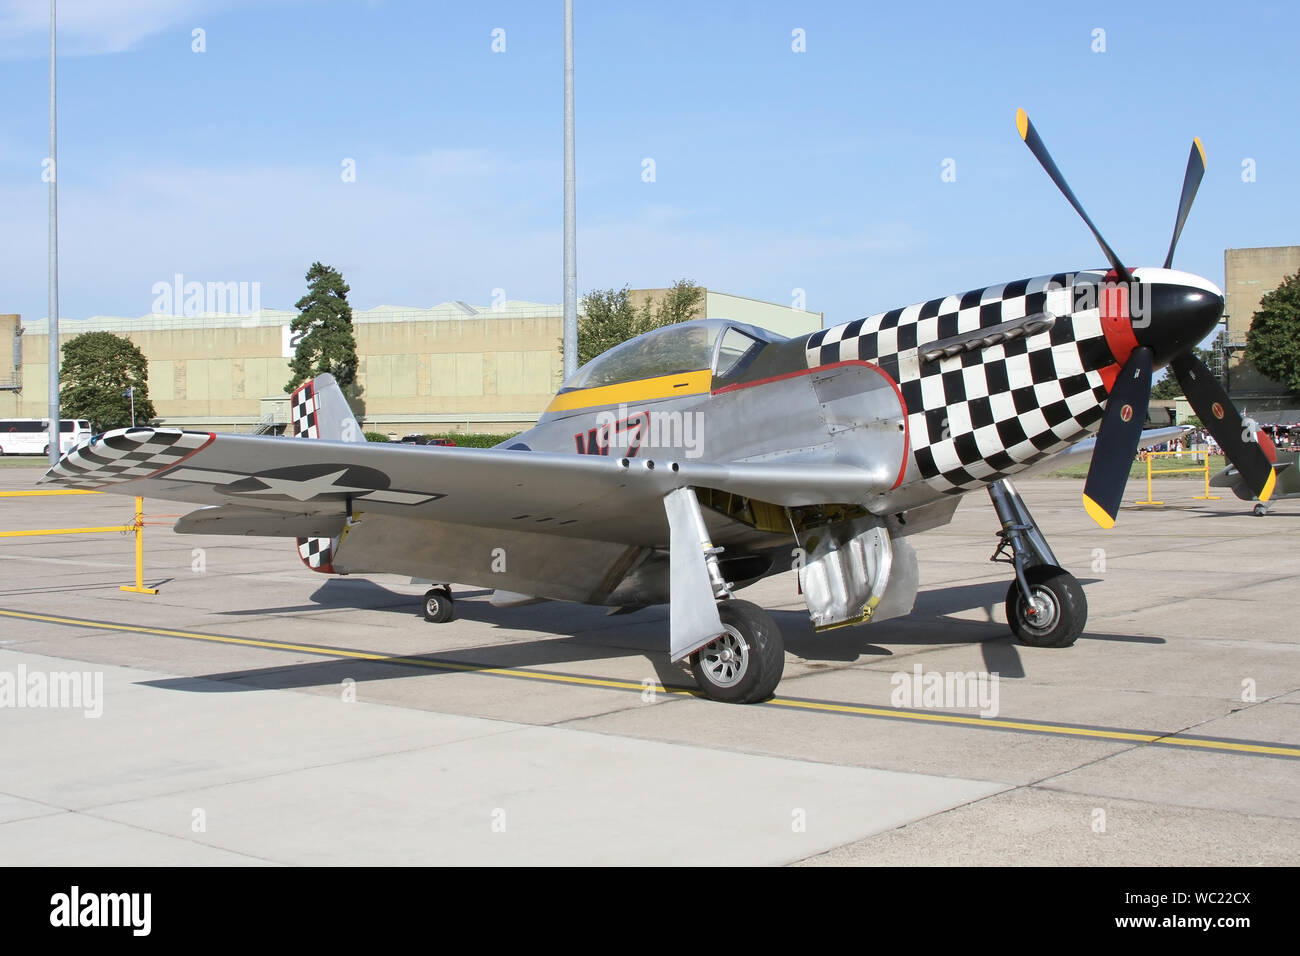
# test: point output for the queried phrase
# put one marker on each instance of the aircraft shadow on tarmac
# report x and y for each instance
(574, 633)
(1198, 512)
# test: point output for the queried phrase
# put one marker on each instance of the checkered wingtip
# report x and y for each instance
(125, 454)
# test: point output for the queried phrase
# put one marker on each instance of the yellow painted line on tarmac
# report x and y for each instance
(42, 494)
(343, 653)
(1101, 733)
(47, 531)
(1040, 727)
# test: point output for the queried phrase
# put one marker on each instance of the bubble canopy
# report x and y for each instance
(717, 344)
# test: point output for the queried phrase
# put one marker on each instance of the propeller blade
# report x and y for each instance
(1251, 451)
(1035, 144)
(1112, 456)
(1191, 182)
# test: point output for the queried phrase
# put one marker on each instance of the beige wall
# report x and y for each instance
(780, 319)
(468, 366)
(449, 368)
(1249, 275)
(476, 374)
(10, 325)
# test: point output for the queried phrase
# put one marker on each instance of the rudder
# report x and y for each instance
(317, 409)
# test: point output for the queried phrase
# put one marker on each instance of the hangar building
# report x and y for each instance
(453, 367)
(1249, 275)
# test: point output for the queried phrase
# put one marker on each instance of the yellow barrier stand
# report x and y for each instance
(137, 528)
(1203, 468)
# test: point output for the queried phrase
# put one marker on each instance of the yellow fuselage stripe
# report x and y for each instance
(1133, 736)
(629, 393)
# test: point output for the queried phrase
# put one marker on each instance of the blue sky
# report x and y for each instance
(774, 170)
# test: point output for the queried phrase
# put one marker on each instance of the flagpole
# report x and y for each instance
(52, 321)
(570, 207)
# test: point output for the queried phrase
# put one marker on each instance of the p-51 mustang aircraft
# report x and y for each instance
(1285, 464)
(699, 458)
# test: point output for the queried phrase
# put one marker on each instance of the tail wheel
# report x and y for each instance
(1260, 510)
(1059, 610)
(439, 608)
(744, 664)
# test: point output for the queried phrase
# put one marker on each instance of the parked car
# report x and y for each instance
(30, 436)
(427, 440)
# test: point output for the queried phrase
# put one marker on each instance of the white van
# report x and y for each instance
(30, 436)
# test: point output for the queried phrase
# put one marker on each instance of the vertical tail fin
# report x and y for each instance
(317, 409)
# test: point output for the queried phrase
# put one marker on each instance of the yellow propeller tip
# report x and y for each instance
(1269, 486)
(1196, 141)
(1022, 123)
(1098, 514)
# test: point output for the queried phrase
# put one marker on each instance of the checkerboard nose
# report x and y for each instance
(1172, 312)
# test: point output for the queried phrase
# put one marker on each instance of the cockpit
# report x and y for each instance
(720, 345)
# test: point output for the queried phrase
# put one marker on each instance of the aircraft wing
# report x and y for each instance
(1082, 451)
(314, 483)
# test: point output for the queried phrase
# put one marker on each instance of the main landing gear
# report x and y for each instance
(439, 607)
(1045, 604)
(745, 663)
(735, 649)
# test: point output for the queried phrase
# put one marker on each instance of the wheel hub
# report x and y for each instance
(725, 659)
(1043, 614)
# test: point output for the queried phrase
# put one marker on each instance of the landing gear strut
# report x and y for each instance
(735, 648)
(1045, 604)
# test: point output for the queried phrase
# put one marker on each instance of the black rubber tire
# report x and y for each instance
(763, 656)
(45, 453)
(1259, 510)
(1065, 594)
(439, 608)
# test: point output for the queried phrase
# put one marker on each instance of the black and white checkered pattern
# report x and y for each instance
(125, 454)
(302, 412)
(985, 414)
(316, 553)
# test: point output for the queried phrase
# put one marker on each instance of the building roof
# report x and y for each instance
(155, 322)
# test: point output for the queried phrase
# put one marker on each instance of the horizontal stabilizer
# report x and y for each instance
(233, 519)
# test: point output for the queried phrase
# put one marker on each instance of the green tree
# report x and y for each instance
(1273, 342)
(323, 331)
(97, 369)
(609, 318)
(679, 303)
(1168, 386)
